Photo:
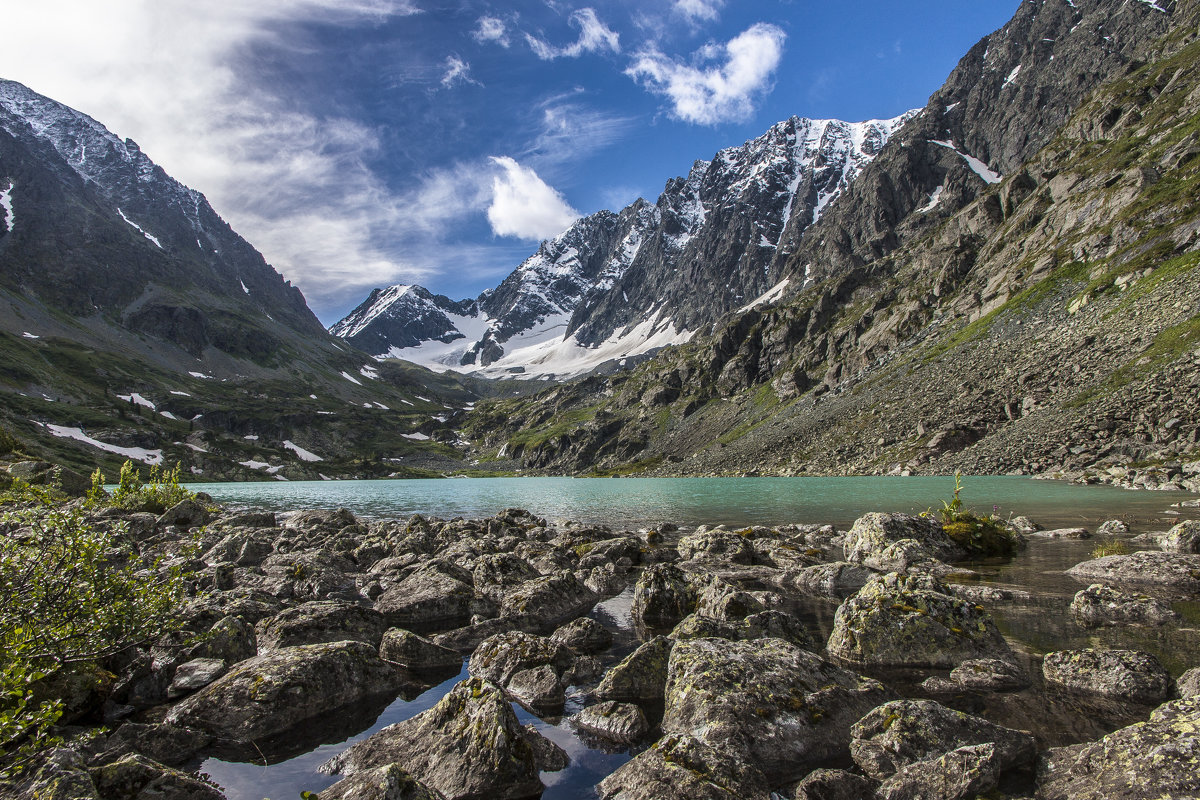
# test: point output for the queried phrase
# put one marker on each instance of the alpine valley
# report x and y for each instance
(1001, 281)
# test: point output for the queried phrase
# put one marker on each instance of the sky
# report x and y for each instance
(362, 143)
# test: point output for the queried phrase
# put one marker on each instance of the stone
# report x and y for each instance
(167, 744)
(905, 732)
(834, 784)
(136, 776)
(245, 548)
(641, 676)
(723, 601)
(584, 635)
(1152, 759)
(1023, 525)
(964, 773)
(1124, 674)
(683, 768)
(538, 689)
(1175, 571)
(989, 674)
(43, 473)
(230, 639)
(432, 598)
(779, 707)
(321, 621)
(1183, 538)
(193, 675)
(716, 545)
(389, 782)
(1188, 684)
(836, 579)
(187, 513)
(549, 600)
(619, 722)
(502, 656)
(415, 652)
(1099, 606)
(870, 541)
(277, 691)
(550, 757)
(898, 620)
(1062, 533)
(695, 626)
(775, 624)
(468, 746)
(662, 597)
(1112, 527)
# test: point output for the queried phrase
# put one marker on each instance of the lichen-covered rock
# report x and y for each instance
(682, 768)
(723, 601)
(989, 674)
(135, 777)
(309, 575)
(321, 621)
(498, 573)
(250, 605)
(1188, 684)
(641, 676)
(1176, 571)
(584, 635)
(539, 689)
(781, 708)
(1154, 759)
(468, 747)
(1126, 674)
(904, 732)
(167, 744)
(1112, 527)
(390, 782)
(1099, 605)
(619, 722)
(898, 620)
(501, 656)
(187, 513)
(869, 539)
(274, 692)
(695, 626)
(716, 545)
(836, 579)
(1183, 538)
(834, 784)
(775, 624)
(662, 596)
(231, 639)
(415, 652)
(195, 674)
(1062, 533)
(550, 600)
(430, 599)
(962, 774)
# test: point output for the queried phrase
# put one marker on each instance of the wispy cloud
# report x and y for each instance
(570, 129)
(594, 36)
(457, 71)
(698, 10)
(721, 82)
(525, 206)
(491, 29)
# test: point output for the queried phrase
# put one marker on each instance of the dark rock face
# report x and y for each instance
(641, 676)
(416, 652)
(1126, 674)
(136, 776)
(989, 674)
(963, 773)
(618, 722)
(662, 596)
(389, 782)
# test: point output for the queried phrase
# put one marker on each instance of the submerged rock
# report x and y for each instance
(1126, 674)
(1099, 605)
(1179, 572)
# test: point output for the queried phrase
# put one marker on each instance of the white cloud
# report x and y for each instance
(594, 36)
(457, 71)
(696, 10)
(570, 130)
(491, 29)
(524, 205)
(705, 92)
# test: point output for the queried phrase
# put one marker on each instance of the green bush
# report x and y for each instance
(979, 535)
(159, 493)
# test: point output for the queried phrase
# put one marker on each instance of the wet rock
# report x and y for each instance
(1151, 759)
(135, 776)
(683, 768)
(550, 600)
(1099, 605)
(905, 732)
(550, 757)
(187, 513)
(781, 708)
(1188, 684)
(662, 597)
(1112, 527)
(1023, 525)
(880, 541)
(898, 620)
(1062, 533)
(962, 774)
(469, 745)
(834, 784)
(619, 722)
(390, 782)
(641, 676)
(723, 601)
(837, 579)
(584, 635)
(321, 621)
(695, 626)
(716, 545)
(989, 674)
(1183, 538)
(1126, 674)
(167, 744)
(538, 689)
(585, 671)
(416, 652)
(1175, 571)
(278, 690)
(429, 599)
(775, 624)
(193, 675)
(502, 656)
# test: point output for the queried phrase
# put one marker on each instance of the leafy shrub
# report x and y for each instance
(159, 493)
(978, 535)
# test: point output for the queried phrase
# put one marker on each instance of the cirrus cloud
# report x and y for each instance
(594, 36)
(722, 81)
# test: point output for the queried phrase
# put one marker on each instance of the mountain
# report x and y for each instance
(135, 321)
(616, 286)
(1007, 287)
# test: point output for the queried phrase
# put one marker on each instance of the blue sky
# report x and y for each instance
(359, 143)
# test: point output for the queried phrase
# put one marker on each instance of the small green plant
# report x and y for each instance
(1112, 547)
(978, 535)
(156, 495)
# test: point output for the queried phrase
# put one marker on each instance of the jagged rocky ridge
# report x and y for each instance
(615, 286)
(1021, 302)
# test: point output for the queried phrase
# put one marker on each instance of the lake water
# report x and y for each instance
(1033, 626)
(632, 503)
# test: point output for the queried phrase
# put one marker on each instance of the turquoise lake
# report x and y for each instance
(631, 503)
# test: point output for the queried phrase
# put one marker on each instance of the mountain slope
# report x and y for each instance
(615, 286)
(1042, 321)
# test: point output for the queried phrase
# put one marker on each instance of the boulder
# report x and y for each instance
(989, 674)
(538, 689)
(1151, 759)
(905, 732)
(716, 545)
(584, 635)
(230, 639)
(321, 621)
(619, 722)
(695, 626)
(502, 656)
(898, 620)
(834, 784)
(683, 768)
(276, 691)
(390, 782)
(187, 513)
(836, 579)
(1123, 674)
(468, 747)
(1112, 527)
(870, 541)
(429, 599)
(1023, 525)
(416, 652)
(497, 573)
(549, 600)
(779, 707)
(1099, 606)
(167, 744)
(723, 601)
(1062, 533)
(195, 674)
(43, 473)
(244, 548)
(641, 676)
(964, 773)
(662, 596)
(1183, 538)
(1174, 571)
(136, 777)
(1188, 684)
(775, 624)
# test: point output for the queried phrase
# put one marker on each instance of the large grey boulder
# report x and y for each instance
(779, 707)
(1099, 606)
(1124, 674)
(834, 784)
(468, 747)
(898, 620)
(390, 782)
(430, 599)
(584, 635)
(321, 621)
(989, 674)
(619, 722)
(716, 545)
(1152, 759)
(662, 596)
(904, 732)
(136, 777)
(549, 600)
(641, 676)
(277, 691)
(1183, 538)
(1174, 571)
(683, 768)
(890, 541)
(836, 579)
(501, 656)
(964, 773)
(415, 652)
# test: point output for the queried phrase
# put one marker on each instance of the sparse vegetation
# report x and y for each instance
(978, 535)
(1112, 547)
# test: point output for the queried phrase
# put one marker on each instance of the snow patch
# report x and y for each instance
(420, 437)
(168, 415)
(10, 219)
(180, 394)
(29, 335)
(767, 297)
(201, 375)
(243, 285)
(370, 372)
(301, 453)
(137, 399)
(141, 230)
(351, 378)
(254, 464)
(251, 438)
(978, 167)
(1012, 76)
(1154, 5)
(152, 457)
(934, 200)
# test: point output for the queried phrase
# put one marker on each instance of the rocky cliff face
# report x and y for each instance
(614, 286)
(1005, 288)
